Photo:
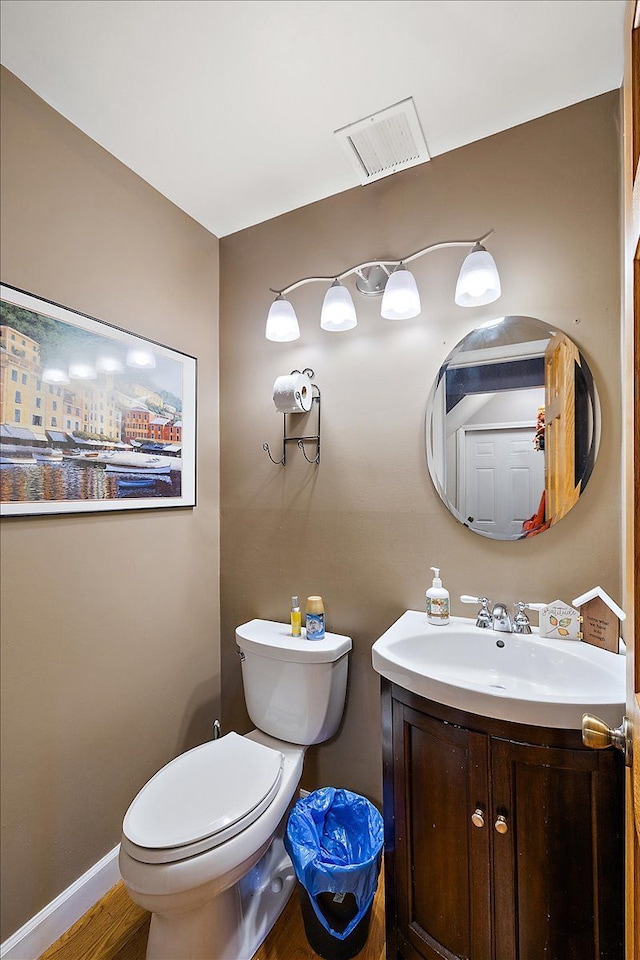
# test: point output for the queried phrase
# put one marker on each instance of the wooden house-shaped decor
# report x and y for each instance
(601, 619)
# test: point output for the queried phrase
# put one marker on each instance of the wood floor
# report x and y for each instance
(116, 929)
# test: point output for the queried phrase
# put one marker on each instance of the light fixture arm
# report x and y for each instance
(383, 263)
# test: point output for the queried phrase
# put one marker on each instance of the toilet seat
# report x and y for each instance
(201, 799)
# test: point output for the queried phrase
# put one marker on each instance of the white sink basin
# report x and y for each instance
(547, 683)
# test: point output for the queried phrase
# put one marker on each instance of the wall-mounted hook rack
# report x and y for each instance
(300, 441)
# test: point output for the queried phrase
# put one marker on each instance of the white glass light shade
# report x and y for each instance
(141, 358)
(282, 323)
(338, 311)
(82, 370)
(478, 282)
(55, 374)
(401, 299)
(108, 363)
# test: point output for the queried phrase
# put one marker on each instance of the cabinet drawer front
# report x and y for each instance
(559, 863)
(442, 856)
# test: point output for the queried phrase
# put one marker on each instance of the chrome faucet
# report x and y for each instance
(521, 621)
(484, 619)
(498, 618)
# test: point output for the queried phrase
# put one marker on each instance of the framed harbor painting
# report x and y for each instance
(92, 418)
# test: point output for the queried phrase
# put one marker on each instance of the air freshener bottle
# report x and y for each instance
(296, 617)
(315, 618)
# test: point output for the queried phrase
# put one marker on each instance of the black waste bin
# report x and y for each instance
(334, 838)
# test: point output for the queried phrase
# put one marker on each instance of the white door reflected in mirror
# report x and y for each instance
(512, 428)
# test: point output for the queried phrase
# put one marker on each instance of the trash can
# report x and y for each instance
(334, 838)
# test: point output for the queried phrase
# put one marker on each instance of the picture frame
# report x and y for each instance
(93, 418)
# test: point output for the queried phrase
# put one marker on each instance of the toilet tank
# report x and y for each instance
(294, 688)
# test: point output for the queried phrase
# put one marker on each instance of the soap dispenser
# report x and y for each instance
(437, 600)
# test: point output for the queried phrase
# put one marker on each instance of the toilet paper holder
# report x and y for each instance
(300, 441)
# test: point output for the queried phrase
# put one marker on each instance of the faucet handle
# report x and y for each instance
(484, 619)
(521, 621)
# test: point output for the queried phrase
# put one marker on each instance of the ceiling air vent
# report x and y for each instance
(385, 142)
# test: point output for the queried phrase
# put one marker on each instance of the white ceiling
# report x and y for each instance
(228, 107)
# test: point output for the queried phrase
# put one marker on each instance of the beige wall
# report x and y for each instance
(363, 528)
(110, 662)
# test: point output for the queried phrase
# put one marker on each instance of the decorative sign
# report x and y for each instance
(601, 618)
(559, 621)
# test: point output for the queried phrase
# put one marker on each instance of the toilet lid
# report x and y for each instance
(210, 792)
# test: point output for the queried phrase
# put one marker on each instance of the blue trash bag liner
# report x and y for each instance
(334, 838)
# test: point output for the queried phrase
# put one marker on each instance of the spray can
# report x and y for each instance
(315, 618)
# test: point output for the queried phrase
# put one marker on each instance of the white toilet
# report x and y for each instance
(202, 842)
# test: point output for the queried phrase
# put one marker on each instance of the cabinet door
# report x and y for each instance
(557, 870)
(442, 858)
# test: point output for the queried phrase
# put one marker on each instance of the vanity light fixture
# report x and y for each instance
(478, 284)
(282, 323)
(401, 300)
(338, 310)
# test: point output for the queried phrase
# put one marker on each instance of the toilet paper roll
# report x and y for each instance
(293, 394)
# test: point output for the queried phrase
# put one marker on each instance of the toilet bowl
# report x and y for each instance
(199, 910)
(202, 843)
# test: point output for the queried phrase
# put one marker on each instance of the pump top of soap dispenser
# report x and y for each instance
(437, 582)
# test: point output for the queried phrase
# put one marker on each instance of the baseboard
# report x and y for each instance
(37, 935)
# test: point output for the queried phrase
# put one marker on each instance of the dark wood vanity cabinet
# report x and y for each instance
(502, 841)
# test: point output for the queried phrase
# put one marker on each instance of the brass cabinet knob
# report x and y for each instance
(501, 824)
(477, 817)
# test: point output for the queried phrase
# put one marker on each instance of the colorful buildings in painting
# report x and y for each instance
(50, 412)
(141, 424)
(96, 402)
(22, 397)
(27, 402)
(156, 427)
(173, 432)
(136, 423)
(164, 430)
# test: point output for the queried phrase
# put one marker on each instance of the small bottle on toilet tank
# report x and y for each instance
(296, 617)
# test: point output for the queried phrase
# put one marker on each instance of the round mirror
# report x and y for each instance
(513, 426)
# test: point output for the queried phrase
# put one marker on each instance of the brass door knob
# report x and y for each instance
(599, 735)
(501, 824)
(477, 817)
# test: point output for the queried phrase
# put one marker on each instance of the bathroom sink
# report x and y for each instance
(525, 679)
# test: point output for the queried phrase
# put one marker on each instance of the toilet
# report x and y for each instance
(202, 842)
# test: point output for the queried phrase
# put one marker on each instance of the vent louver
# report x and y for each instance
(385, 142)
